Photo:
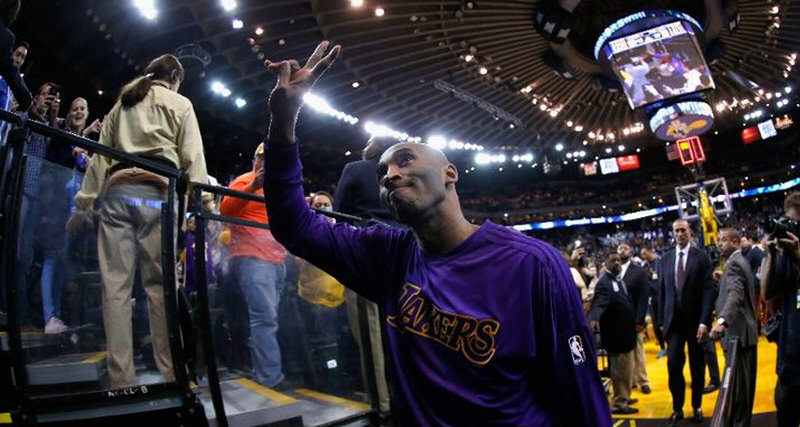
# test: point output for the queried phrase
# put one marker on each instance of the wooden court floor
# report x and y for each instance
(658, 404)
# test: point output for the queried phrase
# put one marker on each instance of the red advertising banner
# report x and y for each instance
(627, 163)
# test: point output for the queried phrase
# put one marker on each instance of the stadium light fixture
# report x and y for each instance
(237, 24)
(437, 141)
(559, 147)
(147, 8)
(379, 12)
(240, 103)
(228, 5)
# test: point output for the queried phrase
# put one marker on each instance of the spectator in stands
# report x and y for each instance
(44, 109)
(613, 315)
(151, 120)
(539, 369)
(685, 298)
(780, 284)
(736, 317)
(18, 56)
(12, 56)
(257, 268)
(635, 280)
(754, 255)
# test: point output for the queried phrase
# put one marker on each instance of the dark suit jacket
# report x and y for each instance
(357, 192)
(698, 290)
(613, 308)
(736, 301)
(638, 289)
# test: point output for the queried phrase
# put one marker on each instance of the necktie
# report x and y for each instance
(679, 276)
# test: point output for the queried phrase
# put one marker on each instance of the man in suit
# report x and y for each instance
(736, 317)
(612, 314)
(686, 293)
(635, 279)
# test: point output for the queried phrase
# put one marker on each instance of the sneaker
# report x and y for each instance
(55, 326)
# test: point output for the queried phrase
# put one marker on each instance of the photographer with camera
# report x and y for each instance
(780, 283)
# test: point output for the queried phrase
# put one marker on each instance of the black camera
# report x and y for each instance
(778, 227)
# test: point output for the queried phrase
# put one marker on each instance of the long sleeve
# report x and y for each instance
(363, 259)
(565, 367)
(708, 289)
(736, 284)
(602, 297)
(190, 148)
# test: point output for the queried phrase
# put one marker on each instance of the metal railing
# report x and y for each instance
(722, 409)
(204, 316)
(26, 406)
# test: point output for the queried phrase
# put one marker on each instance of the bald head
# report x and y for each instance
(431, 154)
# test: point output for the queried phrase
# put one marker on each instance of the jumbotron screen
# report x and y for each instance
(659, 63)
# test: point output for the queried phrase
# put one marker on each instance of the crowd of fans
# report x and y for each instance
(53, 176)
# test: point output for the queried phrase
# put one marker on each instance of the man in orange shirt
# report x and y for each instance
(257, 268)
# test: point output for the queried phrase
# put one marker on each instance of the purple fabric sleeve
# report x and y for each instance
(565, 376)
(363, 259)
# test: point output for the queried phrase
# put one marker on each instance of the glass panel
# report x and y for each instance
(84, 330)
(283, 343)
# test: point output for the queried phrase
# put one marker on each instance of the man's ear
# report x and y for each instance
(450, 174)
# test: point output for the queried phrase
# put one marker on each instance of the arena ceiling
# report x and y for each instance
(400, 62)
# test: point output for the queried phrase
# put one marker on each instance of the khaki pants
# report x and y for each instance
(639, 363)
(129, 238)
(620, 367)
(376, 343)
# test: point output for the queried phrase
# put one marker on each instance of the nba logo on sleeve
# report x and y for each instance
(576, 347)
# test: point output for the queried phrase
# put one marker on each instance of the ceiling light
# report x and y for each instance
(559, 147)
(226, 92)
(100, 92)
(608, 150)
(217, 87)
(259, 31)
(347, 153)
(787, 89)
(468, 58)
(437, 141)
(621, 148)
(356, 3)
(355, 85)
(379, 11)
(585, 142)
(228, 5)
(569, 123)
(237, 24)
(240, 103)
(569, 155)
(483, 70)
(147, 8)
(578, 128)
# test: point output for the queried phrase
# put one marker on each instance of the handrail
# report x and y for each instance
(88, 144)
(203, 309)
(224, 191)
(26, 404)
(722, 416)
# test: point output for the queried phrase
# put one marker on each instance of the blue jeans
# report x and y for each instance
(51, 286)
(261, 283)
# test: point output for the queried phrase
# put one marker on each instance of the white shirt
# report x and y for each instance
(624, 269)
(678, 251)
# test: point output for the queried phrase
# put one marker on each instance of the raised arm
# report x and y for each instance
(362, 259)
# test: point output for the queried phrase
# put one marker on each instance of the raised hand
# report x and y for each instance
(294, 81)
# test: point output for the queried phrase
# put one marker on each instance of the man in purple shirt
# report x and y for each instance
(484, 325)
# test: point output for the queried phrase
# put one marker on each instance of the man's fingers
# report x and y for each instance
(295, 65)
(315, 57)
(285, 74)
(326, 62)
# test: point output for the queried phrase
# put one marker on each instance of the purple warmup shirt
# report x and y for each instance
(490, 333)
